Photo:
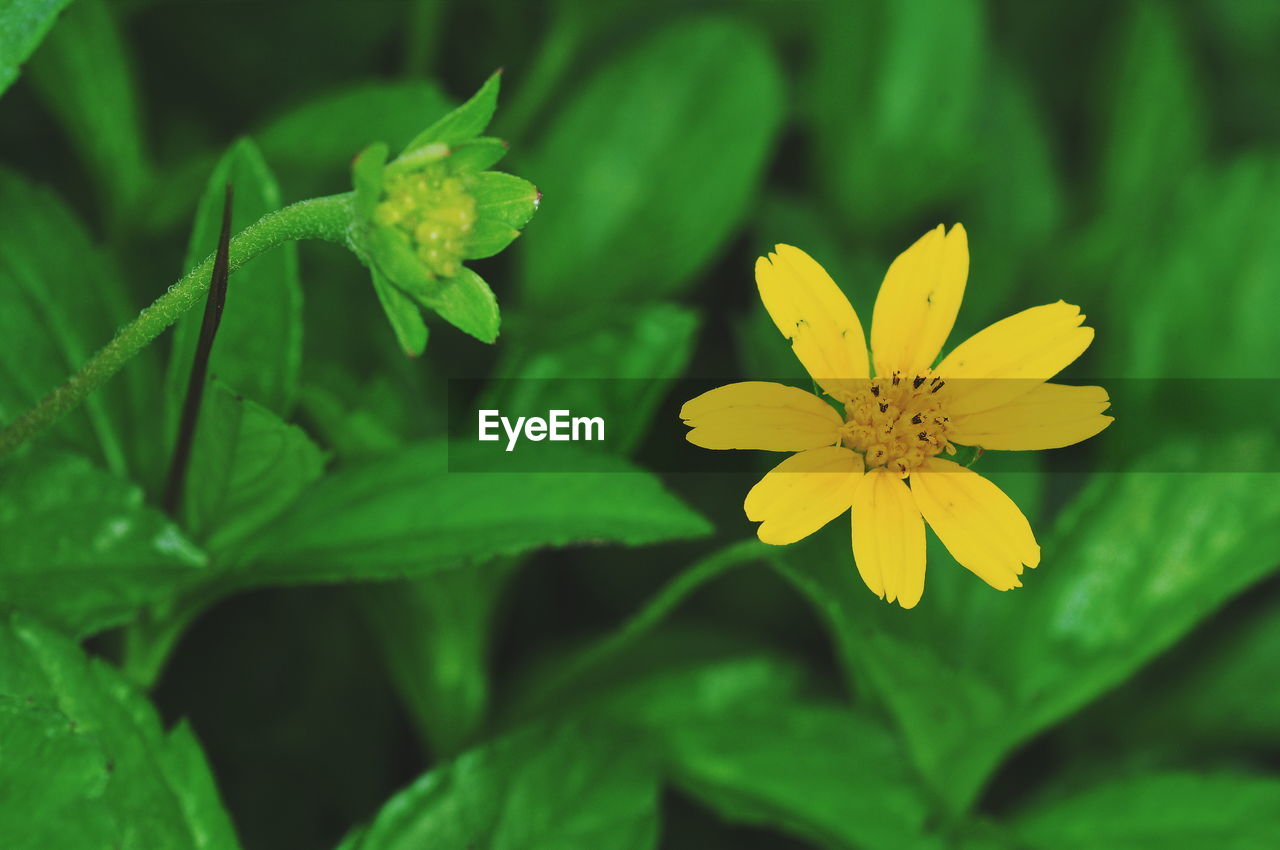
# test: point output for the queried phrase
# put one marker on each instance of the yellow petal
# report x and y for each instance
(803, 493)
(814, 314)
(980, 526)
(1048, 417)
(918, 302)
(761, 415)
(1012, 357)
(888, 538)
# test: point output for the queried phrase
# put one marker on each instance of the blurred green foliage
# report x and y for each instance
(379, 653)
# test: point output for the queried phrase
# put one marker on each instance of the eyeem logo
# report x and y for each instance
(559, 426)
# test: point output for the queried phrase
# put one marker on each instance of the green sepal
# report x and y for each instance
(403, 313)
(467, 303)
(465, 122)
(505, 198)
(476, 154)
(487, 237)
(366, 178)
(390, 251)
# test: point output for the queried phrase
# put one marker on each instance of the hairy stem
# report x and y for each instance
(319, 218)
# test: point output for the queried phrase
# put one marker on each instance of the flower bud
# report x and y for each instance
(420, 216)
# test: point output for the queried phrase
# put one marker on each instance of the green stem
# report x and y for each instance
(326, 218)
(643, 621)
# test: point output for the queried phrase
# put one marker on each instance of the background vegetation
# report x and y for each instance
(339, 642)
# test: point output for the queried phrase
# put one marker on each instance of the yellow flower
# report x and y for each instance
(883, 456)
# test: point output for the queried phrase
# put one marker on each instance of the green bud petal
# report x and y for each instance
(366, 177)
(403, 313)
(467, 303)
(476, 154)
(465, 122)
(487, 237)
(393, 255)
(505, 198)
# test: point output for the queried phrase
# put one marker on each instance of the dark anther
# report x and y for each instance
(213, 307)
(884, 407)
(896, 379)
(875, 390)
(938, 386)
(923, 436)
(917, 419)
(915, 385)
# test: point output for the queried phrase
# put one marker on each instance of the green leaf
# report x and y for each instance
(897, 92)
(83, 73)
(361, 417)
(1138, 559)
(1160, 811)
(407, 515)
(403, 313)
(823, 772)
(466, 302)
(1156, 122)
(1219, 227)
(464, 123)
(567, 788)
(79, 548)
(652, 165)
(309, 146)
(616, 366)
(23, 23)
(733, 733)
(247, 466)
(62, 300)
(434, 635)
(258, 350)
(675, 677)
(1203, 695)
(87, 763)
(435, 630)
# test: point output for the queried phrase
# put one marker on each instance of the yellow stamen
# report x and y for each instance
(435, 211)
(897, 422)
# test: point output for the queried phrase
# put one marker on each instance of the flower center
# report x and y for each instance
(897, 422)
(434, 212)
